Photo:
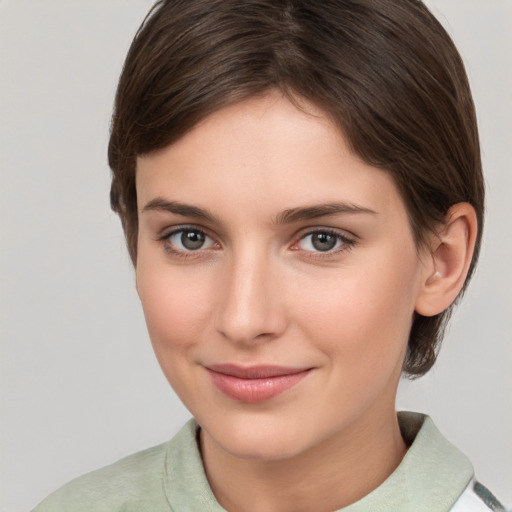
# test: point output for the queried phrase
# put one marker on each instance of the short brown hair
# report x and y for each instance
(384, 70)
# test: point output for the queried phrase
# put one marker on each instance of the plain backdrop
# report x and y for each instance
(80, 385)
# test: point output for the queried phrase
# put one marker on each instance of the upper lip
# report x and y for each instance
(254, 372)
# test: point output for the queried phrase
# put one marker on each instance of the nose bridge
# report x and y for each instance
(249, 305)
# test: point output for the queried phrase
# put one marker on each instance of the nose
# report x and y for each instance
(250, 302)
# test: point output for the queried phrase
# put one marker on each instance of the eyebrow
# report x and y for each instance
(185, 210)
(321, 210)
(287, 216)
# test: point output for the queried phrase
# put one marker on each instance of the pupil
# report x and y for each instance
(192, 239)
(323, 241)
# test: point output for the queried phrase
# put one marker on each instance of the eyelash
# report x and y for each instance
(168, 247)
(346, 242)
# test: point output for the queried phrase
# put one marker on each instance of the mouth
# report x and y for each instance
(255, 383)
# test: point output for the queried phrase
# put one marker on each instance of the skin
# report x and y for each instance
(260, 292)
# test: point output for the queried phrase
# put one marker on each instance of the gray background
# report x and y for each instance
(80, 385)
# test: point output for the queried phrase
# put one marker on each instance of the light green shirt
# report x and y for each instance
(170, 477)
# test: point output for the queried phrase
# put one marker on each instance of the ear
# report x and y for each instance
(447, 264)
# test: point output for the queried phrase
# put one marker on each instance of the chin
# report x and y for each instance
(259, 437)
(273, 447)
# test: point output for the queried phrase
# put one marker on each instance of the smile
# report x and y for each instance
(254, 384)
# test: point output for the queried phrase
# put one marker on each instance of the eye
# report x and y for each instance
(323, 241)
(188, 240)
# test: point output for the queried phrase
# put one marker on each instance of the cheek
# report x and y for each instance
(175, 306)
(362, 320)
(176, 312)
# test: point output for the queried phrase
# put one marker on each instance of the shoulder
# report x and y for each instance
(132, 483)
(168, 477)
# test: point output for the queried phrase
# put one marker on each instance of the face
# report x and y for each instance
(278, 276)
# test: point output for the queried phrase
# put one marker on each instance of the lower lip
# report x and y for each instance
(255, 390)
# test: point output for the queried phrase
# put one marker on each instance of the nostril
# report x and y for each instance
(250, 325)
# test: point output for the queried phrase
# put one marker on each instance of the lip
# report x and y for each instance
(254, 383)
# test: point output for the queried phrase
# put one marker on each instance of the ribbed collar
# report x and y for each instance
(430, 478)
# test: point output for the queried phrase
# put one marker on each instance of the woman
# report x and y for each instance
(301, 192)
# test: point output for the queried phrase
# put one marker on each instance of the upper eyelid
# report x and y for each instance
(342, 233)
(171, 230)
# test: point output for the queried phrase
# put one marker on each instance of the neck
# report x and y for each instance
(327, 477)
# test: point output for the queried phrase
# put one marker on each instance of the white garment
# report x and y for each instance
(473, 501)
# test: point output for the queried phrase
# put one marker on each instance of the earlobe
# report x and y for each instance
(451, 252)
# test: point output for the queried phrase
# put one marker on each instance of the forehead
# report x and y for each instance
(266, 153)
